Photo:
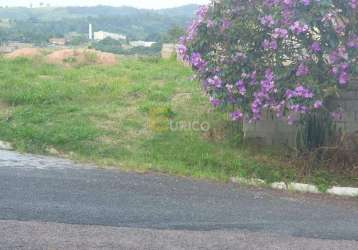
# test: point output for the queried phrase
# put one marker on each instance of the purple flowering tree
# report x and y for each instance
(280, 55)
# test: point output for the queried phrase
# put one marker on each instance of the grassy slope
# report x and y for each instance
(100, 114)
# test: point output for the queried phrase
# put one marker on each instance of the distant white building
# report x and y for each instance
(5, 23)
(101, 35)
(57, 41)
(11, 46)
(141, 44)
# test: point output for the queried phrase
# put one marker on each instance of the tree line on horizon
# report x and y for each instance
(37, 25)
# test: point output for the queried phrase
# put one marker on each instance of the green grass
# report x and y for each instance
(100, 114)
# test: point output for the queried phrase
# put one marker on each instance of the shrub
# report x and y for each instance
(281, 55)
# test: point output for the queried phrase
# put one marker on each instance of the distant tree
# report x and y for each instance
(109, 45)
(174, 33)
(77, 40)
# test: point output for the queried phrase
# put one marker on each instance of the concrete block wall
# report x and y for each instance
(349, 102)
(168, 50)
(273, 131)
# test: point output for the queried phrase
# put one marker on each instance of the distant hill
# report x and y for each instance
(186, 10)
(38, 24)
(51, 14)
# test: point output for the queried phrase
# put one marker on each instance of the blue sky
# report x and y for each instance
(150, 4)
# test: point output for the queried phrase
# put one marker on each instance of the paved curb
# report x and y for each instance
(297, 187)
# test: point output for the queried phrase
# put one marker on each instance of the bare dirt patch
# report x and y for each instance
(81, 56)
(25, 52)
(67, 57)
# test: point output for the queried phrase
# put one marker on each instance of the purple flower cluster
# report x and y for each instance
(215, 102)
(297, 101)
(280, 33)
(300, 91)
(215, 82)
(202, 12)
(236, 116)
(298, 28)
(302, 70)
(197, 61)
(315, 47)
(268, 21)
(191, 31)
(225, 25)
(298, 108)
(337, 115)
(270, 44)
(305, 2)
(353, 42)
(182, 51)
(340, 68)
(318, 104)
(263, 97)
(353, 4)
(241, 87)
(255, 69)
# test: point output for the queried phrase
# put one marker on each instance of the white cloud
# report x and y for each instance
(150, 4)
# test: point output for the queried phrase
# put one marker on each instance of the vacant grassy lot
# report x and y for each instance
(118, 116)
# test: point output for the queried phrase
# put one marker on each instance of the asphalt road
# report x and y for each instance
(47, 203)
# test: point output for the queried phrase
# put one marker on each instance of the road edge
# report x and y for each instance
(297, 187)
